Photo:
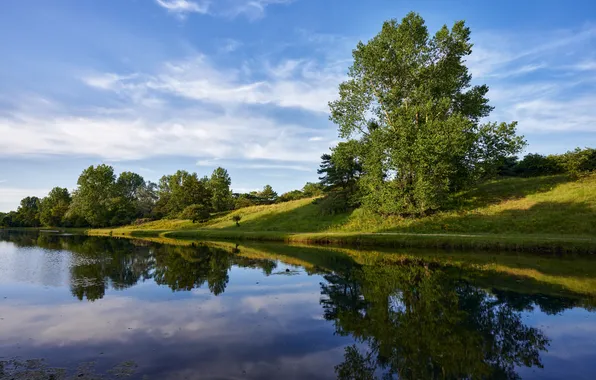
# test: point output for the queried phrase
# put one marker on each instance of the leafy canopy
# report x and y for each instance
(410, 103)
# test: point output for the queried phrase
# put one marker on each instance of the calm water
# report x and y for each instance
(118, 307)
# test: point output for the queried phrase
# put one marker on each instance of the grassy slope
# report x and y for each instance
(512, 213)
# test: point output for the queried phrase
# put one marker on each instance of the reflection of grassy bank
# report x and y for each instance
(478, 242)
(567, 276)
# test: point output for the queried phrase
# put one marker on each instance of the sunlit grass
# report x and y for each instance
(513, 214)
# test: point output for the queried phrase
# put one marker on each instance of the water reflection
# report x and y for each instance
(344, 314)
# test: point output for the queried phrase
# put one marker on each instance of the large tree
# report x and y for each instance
(410, 101)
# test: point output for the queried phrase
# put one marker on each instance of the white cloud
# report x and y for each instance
(532, 81)
(11, 196)
(292, 84)
(315, 138)
(251, 9)
(182, 7)
(256, 166)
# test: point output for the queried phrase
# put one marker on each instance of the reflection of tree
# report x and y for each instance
(420, 323)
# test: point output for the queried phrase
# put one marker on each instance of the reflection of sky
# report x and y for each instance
(261, 327)
(572, 350)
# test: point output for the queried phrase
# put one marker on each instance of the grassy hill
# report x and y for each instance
(548, 209)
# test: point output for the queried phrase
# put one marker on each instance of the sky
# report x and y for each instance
(153, 86)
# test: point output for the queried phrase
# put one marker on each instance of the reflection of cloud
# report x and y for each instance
(264, 336)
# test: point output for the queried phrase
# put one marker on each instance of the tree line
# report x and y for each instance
(104, 199)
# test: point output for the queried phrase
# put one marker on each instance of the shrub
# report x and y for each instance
(336, 202)
(195, 213)
(290, 196)
(578, 161)
(236, 218)
(243, 201)
(534, 165)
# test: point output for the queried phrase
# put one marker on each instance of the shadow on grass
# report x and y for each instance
(496, 191)
(307, 218)
(556, 218)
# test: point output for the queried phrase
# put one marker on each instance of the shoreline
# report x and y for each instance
(482, 242)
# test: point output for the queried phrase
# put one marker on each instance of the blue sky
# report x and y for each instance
(154, 86)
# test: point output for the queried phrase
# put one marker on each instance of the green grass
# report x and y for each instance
(544, 214)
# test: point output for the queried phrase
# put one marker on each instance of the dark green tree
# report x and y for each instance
(219, 183)
(94, 197)
(268, 194)
(410, 102)
(54, 207)
(29, 211)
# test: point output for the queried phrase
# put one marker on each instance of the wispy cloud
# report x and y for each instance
(555, 100)
(256, 166)
(305, 84)
(183, 7)
(251, 9)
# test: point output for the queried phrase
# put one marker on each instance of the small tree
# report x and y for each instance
(236, 218)
(196, 213)
(268, 194)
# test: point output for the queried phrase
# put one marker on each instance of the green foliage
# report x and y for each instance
(54, 207)
(311, 189)
(244, 200)
(267, 194)
(342, 167)
(237, 218)
(180, 190)
(29, 212)
(410, 103)
(337, 201)
(219, 185)
(578, 161)
(291, 196)
(93, 200)
(196, 213)
(534, 165)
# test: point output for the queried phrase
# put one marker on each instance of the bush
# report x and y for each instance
(336, 202)
(243, 201)
(195, 213)
(141, 221)
(534, 165)
(578, 161)
(290, 196)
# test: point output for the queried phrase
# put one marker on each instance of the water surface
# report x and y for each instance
(117, 307)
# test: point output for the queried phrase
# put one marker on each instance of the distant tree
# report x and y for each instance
(236, 218)
(268, 194)
(147, 198)
(219, 184)
(180, 190)
(534, 164)
(311, 189)
(196, 213)
(93, 199)
(54, 207)
(291, 196)
(28, 212)
(244, 200)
